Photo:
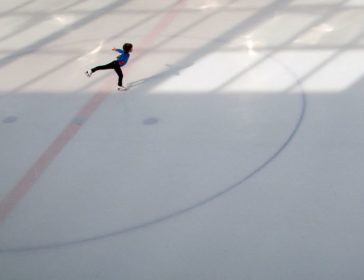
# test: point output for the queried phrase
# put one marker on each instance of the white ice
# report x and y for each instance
(236, 153)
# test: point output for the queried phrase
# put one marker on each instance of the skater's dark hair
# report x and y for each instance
(127, 47)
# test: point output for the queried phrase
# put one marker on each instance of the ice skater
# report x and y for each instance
(120, 61)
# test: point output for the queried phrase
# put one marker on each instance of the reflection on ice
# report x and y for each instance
(314, 35)
(62, 19)
(93, 52)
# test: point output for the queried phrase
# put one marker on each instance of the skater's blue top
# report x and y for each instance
(123, 57)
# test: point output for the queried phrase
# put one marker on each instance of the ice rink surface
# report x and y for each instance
(236, 153)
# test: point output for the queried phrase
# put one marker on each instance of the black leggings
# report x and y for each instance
(112, 65)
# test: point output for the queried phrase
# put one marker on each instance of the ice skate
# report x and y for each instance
(88, 73)
(122, 88)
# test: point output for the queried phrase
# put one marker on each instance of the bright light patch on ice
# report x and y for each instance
(337, 74)
(209, 5)
(315, 72)
(315, 34)
(63, 19)
(93, 52)
(207, 73)
(267, 77)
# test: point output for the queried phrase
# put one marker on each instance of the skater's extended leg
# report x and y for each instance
(103, 67)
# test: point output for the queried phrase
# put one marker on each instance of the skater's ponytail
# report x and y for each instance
(127, 47)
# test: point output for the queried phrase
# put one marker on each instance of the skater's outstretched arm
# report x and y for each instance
(118, 50)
